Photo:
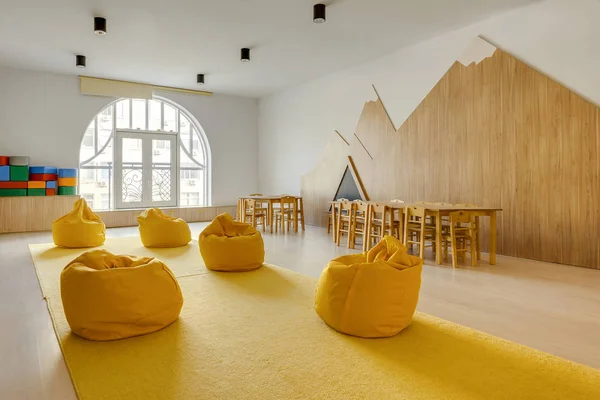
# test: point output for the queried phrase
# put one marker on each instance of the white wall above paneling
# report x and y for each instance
(557, 37)
(44, 116)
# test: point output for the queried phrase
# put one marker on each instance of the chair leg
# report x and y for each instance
(422, 244)
(473, 252)
(454, 251)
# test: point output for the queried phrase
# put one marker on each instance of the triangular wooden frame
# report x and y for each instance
(357, 181)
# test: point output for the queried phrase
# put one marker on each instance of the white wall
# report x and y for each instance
(44, 116)
(557, 37)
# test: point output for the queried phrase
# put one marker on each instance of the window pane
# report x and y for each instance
(197, 150)
(170, 118)
(185, 131)
(94, 185)
(122, 111)
(132, 151)
(155, 117)
(105, 126)
(161, 170)
(87, 144)
(138, 118)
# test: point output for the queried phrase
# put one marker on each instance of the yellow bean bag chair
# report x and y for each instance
(79, 228)
(107, 296)
(373, 294)
(227, 245)
(160, 230)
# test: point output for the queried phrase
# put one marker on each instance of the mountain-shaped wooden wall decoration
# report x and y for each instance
(493, 132)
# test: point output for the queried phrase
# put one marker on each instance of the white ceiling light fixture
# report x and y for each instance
(100, 26)
(319, 13)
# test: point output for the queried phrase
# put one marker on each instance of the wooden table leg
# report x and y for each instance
(493, 238)
(295, 216)
(270, 212)
(477, 239)
(438, 238)
(334, 223)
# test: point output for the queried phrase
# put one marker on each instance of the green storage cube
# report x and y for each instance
(19, 173)
(36, 192)
(67, 190)
(13, 192)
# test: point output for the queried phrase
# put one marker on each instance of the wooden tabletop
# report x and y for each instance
(432, 207)
(268, 197)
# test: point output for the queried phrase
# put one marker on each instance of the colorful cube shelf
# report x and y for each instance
(36, 185)
(51, 184)
(43, 170)
(42, 177)
(19, 173)
(5, 173)
(50, 192)
(13, 185)
(13, 192)
(67, 173)
(67, 182)
(21, 161)
(36, 192)
(3, 160)
(67, 190)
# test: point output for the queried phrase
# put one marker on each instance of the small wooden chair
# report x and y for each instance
(300, 212)
(462, 237)
(255, 213)
(380, 222)
(359, 225)
(416, 229)
(345, 219)
(285, 213)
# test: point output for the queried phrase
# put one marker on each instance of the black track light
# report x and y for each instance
(319, 13)
(99, 26)
(80, 61)
(245, 55)
(200, 79)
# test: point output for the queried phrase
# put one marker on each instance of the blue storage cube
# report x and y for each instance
(43, 170)
(51, 185)
(67, 172)
(5, 173)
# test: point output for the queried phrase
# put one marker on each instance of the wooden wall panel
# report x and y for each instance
(499, 134)
(32, 214)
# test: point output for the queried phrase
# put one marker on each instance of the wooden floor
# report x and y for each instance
(549, 307)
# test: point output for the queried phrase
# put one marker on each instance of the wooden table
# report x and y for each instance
(271, 200)
(438, 211)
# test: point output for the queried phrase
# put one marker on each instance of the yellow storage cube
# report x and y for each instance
(79, 228)
(227, 245)
(160, 230)
(373, 294)
(108, 297)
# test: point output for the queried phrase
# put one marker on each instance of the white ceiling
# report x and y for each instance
(168, 42)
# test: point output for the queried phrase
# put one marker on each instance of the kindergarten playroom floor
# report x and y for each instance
(549, 307)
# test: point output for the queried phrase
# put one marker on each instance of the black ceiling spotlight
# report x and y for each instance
(99, 26)
(80, 61)
(245, 55)
(200, 79)
(319, 13)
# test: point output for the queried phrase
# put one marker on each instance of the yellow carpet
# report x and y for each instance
(255, 335)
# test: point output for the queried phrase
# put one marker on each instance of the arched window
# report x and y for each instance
(143, 153)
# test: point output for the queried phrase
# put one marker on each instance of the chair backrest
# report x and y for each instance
(250, 204)
(361, 207)
(346, 206)
(415, 212)
(287, 202)
(458, 218)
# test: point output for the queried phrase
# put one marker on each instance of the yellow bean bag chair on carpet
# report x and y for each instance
(79, 228)
(107, 296)
(160, 230)
(373, 294)
(227, 245)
